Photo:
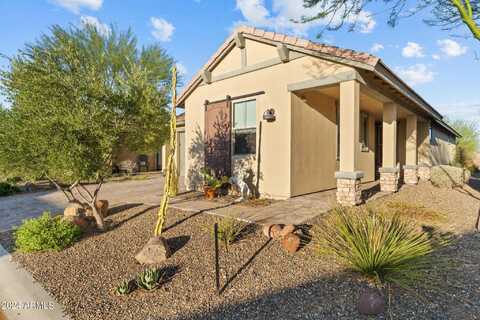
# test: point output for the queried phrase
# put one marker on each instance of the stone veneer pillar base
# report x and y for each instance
(424, 172)
(389, 179)
(410, 174)
(349, 192)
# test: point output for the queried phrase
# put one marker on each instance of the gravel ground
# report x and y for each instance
(273, 285)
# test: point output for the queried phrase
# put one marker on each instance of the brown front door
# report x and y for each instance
(218, 138)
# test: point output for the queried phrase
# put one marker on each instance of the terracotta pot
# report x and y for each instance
(371, 302)
(210, 193)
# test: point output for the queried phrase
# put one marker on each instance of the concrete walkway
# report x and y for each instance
(21, 297)
(14, 209)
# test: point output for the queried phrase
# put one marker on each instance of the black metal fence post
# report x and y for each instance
(217, 262)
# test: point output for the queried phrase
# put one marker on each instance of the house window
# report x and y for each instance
(364, 131)
(244, 127)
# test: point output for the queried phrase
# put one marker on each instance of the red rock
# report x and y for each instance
(291, 243)
(289, 228)
(275, 231)
(102, 208)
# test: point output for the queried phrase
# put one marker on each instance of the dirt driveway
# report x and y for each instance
(14, 209)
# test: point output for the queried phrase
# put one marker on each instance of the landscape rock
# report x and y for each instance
(266, 230)
(154, 252)
(102, 207)
(80, 221)
(275, 231)
(291, 243)
(289, 228)
(73, 209)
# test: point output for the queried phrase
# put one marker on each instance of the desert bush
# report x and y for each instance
(7, 189)
(448, 176)
(45, 233)
(229, 230)
(384, 249)
(414, 211)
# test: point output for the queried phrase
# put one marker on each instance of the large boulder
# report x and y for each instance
(154, 252)
(448, 176)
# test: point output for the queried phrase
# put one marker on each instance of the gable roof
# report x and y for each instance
(356, 59)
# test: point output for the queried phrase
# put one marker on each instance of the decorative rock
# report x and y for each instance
(266, 230)
(275, 231)
(80, 221)
(291, 242)
(289, 228)
(73, 209)
(371, 302)
(154, 252)
(102, 207)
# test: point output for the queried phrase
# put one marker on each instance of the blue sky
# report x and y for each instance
(440, 65)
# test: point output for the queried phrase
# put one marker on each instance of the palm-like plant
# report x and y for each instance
(383, 248)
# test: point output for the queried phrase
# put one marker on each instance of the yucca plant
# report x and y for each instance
(385, 249)
(125, 287)
(149, 279)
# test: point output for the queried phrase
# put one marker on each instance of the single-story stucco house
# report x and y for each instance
(296, 117)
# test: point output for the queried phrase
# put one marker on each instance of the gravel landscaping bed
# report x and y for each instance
(273, 285)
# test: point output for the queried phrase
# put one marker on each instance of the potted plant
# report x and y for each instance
(211, 184)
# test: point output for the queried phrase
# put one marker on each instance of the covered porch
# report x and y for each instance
(378, 134)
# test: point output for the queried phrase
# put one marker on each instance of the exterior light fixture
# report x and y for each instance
(269, 115)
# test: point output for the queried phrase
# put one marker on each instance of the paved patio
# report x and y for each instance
(14, 209)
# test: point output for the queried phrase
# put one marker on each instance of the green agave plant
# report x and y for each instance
(385, 249)
(125, 287)
(149, 279)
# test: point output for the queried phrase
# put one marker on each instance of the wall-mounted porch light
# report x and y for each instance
(269, 115)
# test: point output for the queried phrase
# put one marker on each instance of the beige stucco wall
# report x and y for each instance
(232, 61)
(314, 139)
(442, 151)
(275, 166)
(366, 158)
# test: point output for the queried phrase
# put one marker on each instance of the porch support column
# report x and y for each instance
(348, 178)
(389, 172)
(410, 175)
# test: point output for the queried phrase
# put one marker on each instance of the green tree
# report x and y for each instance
(447, 14)
(76, 96)
(468, 144)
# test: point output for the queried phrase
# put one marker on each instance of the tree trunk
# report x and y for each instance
(98, 217)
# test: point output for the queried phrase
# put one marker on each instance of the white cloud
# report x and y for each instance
(162, 29)
(416, 74)
(412, 50)
(435, 57)
(182, 70)
(102, 28)
(451, 48)
(76, 5)
(377, 47)
(282, 12)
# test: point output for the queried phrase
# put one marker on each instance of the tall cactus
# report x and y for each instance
(170, 187)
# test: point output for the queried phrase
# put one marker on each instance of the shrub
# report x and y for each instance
(449, 176)
(7, 189)
(414, 211)
(229, 230)
(45, 233)
(383, 249)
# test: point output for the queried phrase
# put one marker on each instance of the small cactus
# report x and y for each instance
(125, 287)
(149, 279)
